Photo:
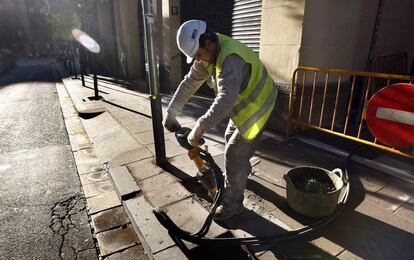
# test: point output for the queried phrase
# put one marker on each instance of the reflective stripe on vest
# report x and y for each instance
(255, 103)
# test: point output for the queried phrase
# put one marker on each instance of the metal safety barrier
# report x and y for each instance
(334, 101)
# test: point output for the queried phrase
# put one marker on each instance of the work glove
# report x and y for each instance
(171, 123)
(194, 138)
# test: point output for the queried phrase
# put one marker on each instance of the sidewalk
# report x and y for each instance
(113, 147)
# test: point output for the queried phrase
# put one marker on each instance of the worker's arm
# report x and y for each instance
(190, 84)
(234, 73)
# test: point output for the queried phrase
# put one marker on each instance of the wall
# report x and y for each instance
(128, 19)
(396, 31)
(337, 34)
(281, 37)
(108, 62)
(170, 55)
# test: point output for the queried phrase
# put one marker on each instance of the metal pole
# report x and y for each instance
(371, 51)
(95, 78)
(152, 75)
(82, 70)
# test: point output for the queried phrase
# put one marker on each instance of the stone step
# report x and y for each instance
(125, 185)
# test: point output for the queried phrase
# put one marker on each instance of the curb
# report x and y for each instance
(116, 149)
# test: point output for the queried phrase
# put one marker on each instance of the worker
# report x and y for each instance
(244, 92)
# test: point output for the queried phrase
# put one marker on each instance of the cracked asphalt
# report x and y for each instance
(42, 210)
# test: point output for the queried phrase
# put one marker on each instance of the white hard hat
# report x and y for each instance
(188, 35)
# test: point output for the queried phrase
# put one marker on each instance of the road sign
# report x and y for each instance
(390, 115)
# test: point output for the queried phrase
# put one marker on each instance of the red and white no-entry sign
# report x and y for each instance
(390, 115)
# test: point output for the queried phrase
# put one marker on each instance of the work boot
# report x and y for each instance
(223, 213)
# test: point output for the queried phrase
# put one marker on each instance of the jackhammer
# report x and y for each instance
(205, 172)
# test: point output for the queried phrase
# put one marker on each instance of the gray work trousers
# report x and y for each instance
(238, 152)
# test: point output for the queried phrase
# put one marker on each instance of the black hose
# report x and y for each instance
(199, 237)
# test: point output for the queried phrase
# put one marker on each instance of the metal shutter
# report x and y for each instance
(239, 19)
(247, 17)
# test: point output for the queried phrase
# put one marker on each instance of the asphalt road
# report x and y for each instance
(42, 212)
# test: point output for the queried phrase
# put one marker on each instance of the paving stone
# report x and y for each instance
(147, 137)
(109, 219)
(163, 189)
(144, 169)
(297, 249)
(102, 202)
(170, 253)
(94, 177)
(90, 167)
(392, 196)
(74, 126)
(271, 169)
(86, 156)
(136, 252)
(185, 164)
(136, 125)
(368, 182)
(114, 142)
(99, 125)
(130, 156)
(153, 236)
(346, 255)
(115, 240)
(124, 184)
(97, 188)
(79, 142)
(172, 148)
(407, 211)
(189, 215)
(327, 246)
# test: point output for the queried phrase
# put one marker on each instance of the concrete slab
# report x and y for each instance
(143, 169)
(153, 236)
(172, 148)
(407, 211)
(74, 126)
(136, 252)
(90, 167)
(79, 142)
(348, 255)
(189, 215)
(86, 156)
(131, 156)
(94, 189)
(170, 253)
(114, 142)
(185, 164)
(147, 137)
(99, 125)
(94, 177)
(115, 240)
(109, 219)
(125, 185)
(108, 137)
(163, 189)
(394, 195)
(103, 202)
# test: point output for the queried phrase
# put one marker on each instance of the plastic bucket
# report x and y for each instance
(313, 191)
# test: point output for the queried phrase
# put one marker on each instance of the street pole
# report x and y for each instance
(153, 80)
(370, 58)
(95, 77)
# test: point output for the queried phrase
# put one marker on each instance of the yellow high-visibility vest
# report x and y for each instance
(255, 103)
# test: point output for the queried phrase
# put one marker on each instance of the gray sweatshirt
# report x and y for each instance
(233, 78)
